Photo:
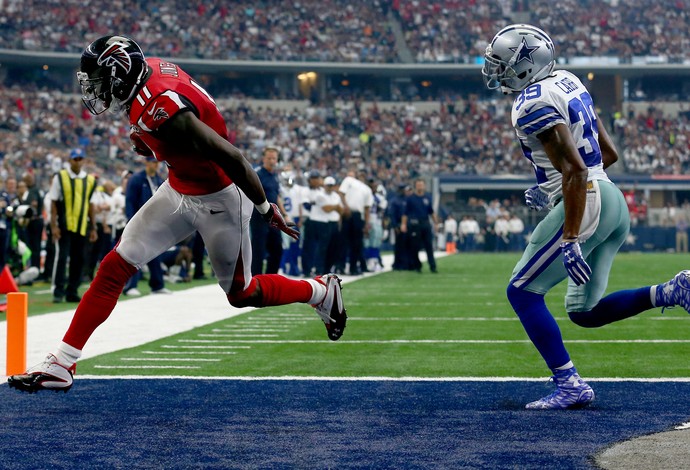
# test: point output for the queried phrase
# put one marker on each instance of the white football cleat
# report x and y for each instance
(331, 309)
(48, 375)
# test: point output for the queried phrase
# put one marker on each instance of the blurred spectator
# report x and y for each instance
(396, 209)
(73, 225)
(516, 228)
(140, 188)
(102, 206)
(415, 222)
(469, 230)
(293, 195)
(267, 242)
(372, 243)
(450, 231)
(309, 235)
(358, 201)
(682, 217)
(34, 229)
(325, 218)
(502, 232)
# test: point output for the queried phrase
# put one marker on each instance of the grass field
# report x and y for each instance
(457, 323)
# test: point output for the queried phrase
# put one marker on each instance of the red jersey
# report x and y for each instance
(168, 91)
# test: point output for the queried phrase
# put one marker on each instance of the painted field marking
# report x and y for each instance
(168, 359)
(490, 319)
(147, 367)
(220, 335)
(287, 378)
(244, 330)
(215, 353)
(171, 346)
(442, 341)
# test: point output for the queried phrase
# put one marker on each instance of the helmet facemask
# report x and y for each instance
(96, 92)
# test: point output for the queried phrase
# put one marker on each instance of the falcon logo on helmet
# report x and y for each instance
(111, 70)
(116, 55)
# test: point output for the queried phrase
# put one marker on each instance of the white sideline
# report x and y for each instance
(139, 320)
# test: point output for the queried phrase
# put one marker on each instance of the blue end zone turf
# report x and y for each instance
(323, 424)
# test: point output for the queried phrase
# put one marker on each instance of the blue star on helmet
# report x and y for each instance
(524, 52)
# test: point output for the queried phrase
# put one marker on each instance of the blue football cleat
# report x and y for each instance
(674, 292)
(571, 393)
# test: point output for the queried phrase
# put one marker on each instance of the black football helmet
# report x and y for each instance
(112, 67)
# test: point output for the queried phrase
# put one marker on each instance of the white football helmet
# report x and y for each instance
(519, 55)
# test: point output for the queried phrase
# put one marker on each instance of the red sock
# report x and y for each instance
(99, 300)
(279, 290)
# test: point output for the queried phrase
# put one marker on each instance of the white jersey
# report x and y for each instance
(293, 197)
(558, 99)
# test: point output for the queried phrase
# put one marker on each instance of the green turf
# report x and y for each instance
(418, 325)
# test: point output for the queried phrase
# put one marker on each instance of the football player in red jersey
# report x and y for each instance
(211, 189)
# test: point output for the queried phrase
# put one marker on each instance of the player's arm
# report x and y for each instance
(609, 154)
(560, 148)
(185, 131)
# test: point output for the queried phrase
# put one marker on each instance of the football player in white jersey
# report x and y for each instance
(564, 139)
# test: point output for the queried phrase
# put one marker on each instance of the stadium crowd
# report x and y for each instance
(395, 144)
(321, 30)
(349, 31)
(456, 31)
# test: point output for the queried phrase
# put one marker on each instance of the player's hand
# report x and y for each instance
(576, 266)
(275, 219)
(536, 199)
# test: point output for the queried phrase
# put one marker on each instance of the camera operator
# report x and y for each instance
(34, 230)
(18, 253)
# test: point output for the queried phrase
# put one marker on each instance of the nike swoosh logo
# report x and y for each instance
(529, 109)
(215, 212)
(153, 110)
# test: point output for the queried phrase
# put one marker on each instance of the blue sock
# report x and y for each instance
(614, 307)
(540, 325)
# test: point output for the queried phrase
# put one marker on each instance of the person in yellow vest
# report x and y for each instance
(73, 224)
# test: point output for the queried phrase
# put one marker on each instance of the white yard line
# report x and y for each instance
(375, 378)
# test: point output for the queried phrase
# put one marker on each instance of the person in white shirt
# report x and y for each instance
(502, 232)
(117, 218)
(516, 228)
(292, 195)
(358, 198)
(325, 216)
(469, 229)
(315, 182)
(450, 230)
(102, 201)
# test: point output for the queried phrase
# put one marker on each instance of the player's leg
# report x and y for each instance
(585, 304)
(539, 269)
(150, 232)
(229, 249)
(158, 225)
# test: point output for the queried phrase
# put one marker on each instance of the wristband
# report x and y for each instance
(263, 207)
(570, 240)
